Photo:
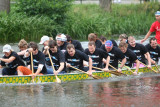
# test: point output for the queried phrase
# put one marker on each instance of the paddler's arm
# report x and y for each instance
(8, 60)
(137, 66)
(45, 50)
(40, 67)
(60, 68)
(107, 64)
(146, 37)
(148, 58)
(122, 64)
(90, 66)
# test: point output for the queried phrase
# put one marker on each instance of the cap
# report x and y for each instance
(6, 48)
(61, 37)
(43, 39)
(108, 44)
(157, 13)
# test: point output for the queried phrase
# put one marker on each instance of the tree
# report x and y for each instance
(5, 5)
(105, 4)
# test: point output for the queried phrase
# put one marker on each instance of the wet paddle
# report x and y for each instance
(116, 70)
(112, 72)
(127, 67)
(57, 79)
(32, 65)
(94, 76)
(147, 67)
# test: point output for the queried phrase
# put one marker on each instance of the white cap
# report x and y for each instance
(61, 37)
(43, 39)
(157, 13)
(7, 48)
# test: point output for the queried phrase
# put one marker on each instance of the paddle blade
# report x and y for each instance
(58, 80)
(117, 73)
(96, 77)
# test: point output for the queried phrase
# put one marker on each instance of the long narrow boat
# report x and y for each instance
(63, 77)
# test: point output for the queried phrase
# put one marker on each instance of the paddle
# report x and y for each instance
(57, 79)
(112, 72)
(32, 65)
(94, 76)
(147, 67)
(117, 70)
(127, 67)
(156, 66)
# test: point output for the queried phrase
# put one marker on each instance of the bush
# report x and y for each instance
(54, 9)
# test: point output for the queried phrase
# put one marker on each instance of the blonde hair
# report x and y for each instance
(23, 44)
(123, 36)
(131, 38)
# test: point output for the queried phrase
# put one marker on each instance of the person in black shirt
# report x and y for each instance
(140, 51)
(96, 55)
(61, 42)
(93, 37)
(130, 56)
(38, 62)
(115, 55)
(75, 58)
(123, 38)
(11, 60)
(76, 43)
(57, 57)
(154, 50)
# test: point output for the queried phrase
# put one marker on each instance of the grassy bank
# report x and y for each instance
(81, 20)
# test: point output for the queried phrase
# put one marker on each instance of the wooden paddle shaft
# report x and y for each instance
(51, 61)
(146, 66)
(32, 63)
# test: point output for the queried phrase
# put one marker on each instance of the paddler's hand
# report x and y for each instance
(135, 73)
(105, 69)
(153, 62)
(149, 66)
(33, 76)
(30, 49)
(90, 72)
(68, 65)
(142, 40)
(56, 72)
(119, 70)
(46, 47)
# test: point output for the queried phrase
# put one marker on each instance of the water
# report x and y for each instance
(131, 91)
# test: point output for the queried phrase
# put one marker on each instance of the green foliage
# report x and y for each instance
(54, 9)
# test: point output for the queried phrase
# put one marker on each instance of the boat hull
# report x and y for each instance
(63, 77)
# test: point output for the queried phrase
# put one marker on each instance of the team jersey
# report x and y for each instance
(77, 45)
(139, 50)
(155, 27)
(154, 53)
(130, 57)
(39, 58)
(76, 60)
(15, 63)
(97, 57)
(57, 58)
(63, 47)
(98, 43)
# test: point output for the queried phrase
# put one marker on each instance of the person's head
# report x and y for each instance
(157, 15)
(44, 40)
(108, 45)
(23, 45)
(153, 42)
(7, 50)
(103, 39)
(92, 37)
(71, 49)
(123, 46)
(34, 46)
(69, 38)
(132, 41)
(123, 38)
(61, 38)
(53, 46)
(91, 47)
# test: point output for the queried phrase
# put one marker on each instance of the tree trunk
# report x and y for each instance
(5, 5)
(105, 4)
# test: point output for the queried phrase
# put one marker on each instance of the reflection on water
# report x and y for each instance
(135, 92)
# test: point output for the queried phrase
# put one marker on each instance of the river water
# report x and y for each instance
(131, 91)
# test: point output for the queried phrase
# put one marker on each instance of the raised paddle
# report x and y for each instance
(32, 65)
(94, 76)
(116, 70)
(147, 67)
(57, 79)
(112, 72)
(127, 67)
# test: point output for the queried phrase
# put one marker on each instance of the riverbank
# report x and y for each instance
(132, 19)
